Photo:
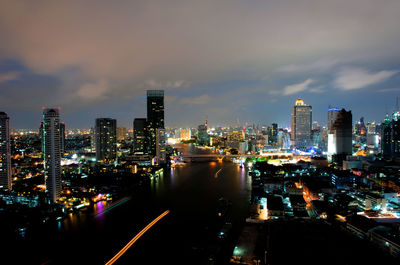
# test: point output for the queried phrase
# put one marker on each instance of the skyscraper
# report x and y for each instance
(301, 125)
(5, 152)
(140, 136)
(155, 117)
(121, 133)
(332, 114)
(340, 137)
(160, 147)
(62, 138)
(106, 140)
(51, 152)
(273, 133)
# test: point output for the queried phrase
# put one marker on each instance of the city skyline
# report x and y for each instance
(343, 54)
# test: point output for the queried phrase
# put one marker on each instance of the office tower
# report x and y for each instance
(202, 135)
(273, 133)
(140, 136)
(332, 113)
(106, 140)
(62, 138)
(301, 125)
(92, 139)
(5, 152)
(185, 134)
(395, 135)
(161, 154)
(340, 137)
(155, 117)
(51, 143)
(386, 134)
(121, 133)
(390, 144)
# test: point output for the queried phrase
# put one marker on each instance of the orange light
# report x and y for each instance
(133, 240)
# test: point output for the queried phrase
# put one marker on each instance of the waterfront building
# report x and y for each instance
(155, 117)
(301, 125)
(202, 135)
(106, 140)
(161, 154)
(51, 146)
(5, 152)
(140, 136)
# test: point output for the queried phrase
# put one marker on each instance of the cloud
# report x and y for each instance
(355, 78)
(94, 91)
(200, 100)
(154, 84)
(317, 89)
(394, 89)
(9, 76)
(293, 89)
(319, 65)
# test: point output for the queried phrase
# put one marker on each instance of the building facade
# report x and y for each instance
(340, 137)
(140, 136)
(5, 152)
(106, 140)
(155, 117)
(301, 125)
(332, 114)
(51, 146)
(390, 143)
(161, 153)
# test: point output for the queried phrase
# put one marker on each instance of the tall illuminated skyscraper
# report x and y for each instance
(51, 143)
(139, 136)
(5, 152)
(301, 125)
(155, 117)
(106, 140)
(161, 153)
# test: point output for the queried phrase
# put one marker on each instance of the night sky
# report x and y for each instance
(233, 60)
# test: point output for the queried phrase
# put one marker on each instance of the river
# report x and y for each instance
(185, 236)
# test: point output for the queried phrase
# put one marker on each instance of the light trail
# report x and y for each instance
(133, 240)
(116, 204)
(216, 174)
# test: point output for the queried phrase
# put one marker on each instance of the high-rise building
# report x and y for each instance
(121, 133)
(386, 136)
(106, 140)
(62, 138)
(161, 157)
(390, 144)
(273, 133)
(332, 114)
(185, 134)
(5, 152)
(340, 137)
(140, 136)
(202, 135)
(92, 139)
(301, 125)
(51, 142)
(155, 117)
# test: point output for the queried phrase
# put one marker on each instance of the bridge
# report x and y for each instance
(219, 157)
(279, 155)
